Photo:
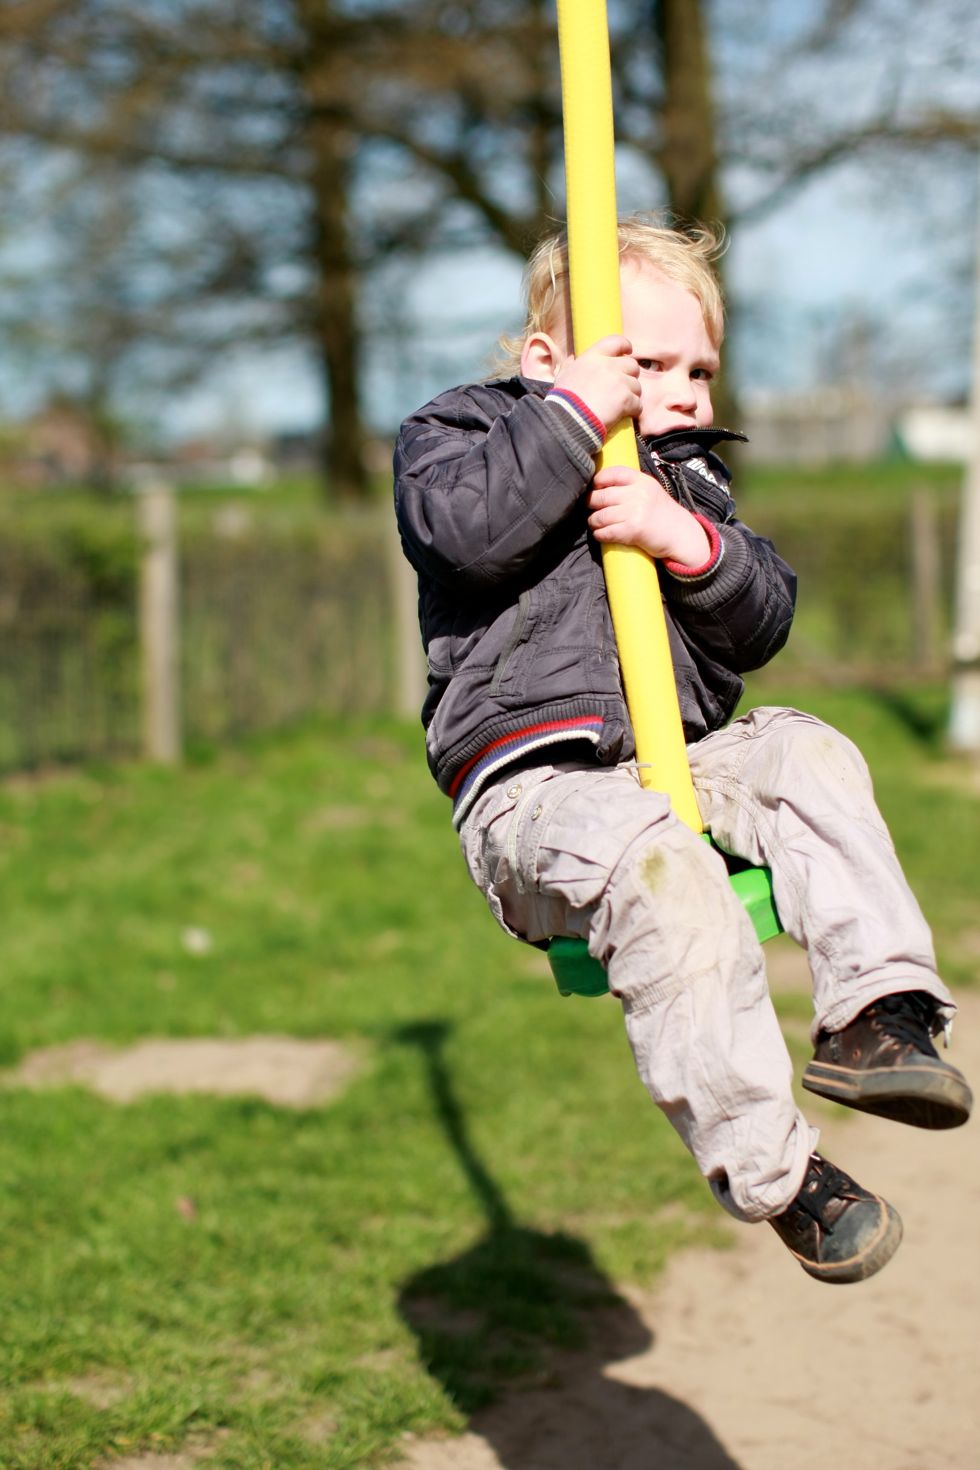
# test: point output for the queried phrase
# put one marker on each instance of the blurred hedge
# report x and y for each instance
(68, 640)
(287, 611)
(856, 608)
(278, 621)
(283, 623)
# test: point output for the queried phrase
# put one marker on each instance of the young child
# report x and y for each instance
(501, 513)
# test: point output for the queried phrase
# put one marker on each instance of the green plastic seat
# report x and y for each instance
(577, 973)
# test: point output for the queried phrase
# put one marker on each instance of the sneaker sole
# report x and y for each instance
(875, 1255)
(924, 1097)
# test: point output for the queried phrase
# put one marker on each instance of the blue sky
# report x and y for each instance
(849, 246)
(884, 248)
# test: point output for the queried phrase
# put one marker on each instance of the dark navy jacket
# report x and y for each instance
(489, 494)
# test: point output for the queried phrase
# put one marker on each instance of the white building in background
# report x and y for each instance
(830, 425)
(842, 425)
(934, 431)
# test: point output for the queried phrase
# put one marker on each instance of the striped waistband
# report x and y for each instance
(480, 768)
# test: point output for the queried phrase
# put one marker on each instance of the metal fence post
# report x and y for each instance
(160, 623)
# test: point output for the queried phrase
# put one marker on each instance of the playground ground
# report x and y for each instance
(280, 1196)
(738, 1361)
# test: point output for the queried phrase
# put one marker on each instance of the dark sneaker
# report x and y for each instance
(884, 1062)
(838, 1231)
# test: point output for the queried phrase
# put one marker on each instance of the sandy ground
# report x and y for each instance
(739, 1361)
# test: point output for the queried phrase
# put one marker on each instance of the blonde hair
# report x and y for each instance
(682, 254)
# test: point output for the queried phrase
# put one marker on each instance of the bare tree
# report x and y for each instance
(285, 148)
(236, 119)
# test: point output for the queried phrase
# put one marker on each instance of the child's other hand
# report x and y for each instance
(606, 377)
(628, 508)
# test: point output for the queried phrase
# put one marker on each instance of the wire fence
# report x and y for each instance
(69, 685)
(275, 629)
(278, 624)
(273, 626)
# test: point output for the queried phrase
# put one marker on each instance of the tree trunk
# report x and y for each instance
(688, 154)
(544, 136)
(331, 142)
(338, 332)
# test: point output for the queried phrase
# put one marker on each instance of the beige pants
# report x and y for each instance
(568, 849)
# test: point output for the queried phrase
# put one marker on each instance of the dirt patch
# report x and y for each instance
(318, 1429)
(968, 945)
(285, 1071)
(960, 775)
(185, 1461)
(99, 1391)
(786, 967)
(739, 1361)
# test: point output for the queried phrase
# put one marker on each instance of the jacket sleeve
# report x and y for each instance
(479, 483)
(741, 610)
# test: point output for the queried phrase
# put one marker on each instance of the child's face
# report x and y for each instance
(677, 359)
(665, 325)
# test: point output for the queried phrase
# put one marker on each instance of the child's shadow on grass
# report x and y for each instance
(532, 1312)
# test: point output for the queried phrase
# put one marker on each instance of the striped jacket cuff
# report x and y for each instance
(716, 550)
(587, 428)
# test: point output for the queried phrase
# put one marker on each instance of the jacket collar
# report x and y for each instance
(685, 443)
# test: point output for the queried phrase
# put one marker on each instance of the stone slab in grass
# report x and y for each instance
(281, 1069)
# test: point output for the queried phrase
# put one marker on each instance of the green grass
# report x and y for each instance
(79, 513)
(880, 484)
(468, 1166)
(292, 1289)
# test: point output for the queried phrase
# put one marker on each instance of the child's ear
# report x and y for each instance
(541, 358)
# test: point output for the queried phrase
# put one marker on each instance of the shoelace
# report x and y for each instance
(907, 1017)
(831, 1184)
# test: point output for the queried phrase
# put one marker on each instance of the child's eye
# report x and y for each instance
(704, 374)
(648, 364)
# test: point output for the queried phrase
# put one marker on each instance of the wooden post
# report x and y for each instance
(924, 528)
(964, 719)
(160, 623)
(409, 672)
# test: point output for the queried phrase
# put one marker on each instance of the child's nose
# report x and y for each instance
(682, 394)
